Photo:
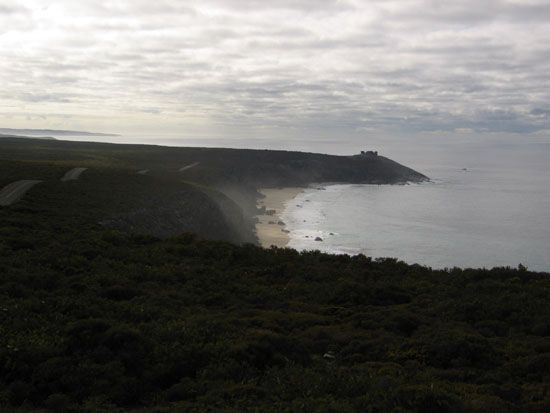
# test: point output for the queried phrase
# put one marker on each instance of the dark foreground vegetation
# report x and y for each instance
(108, 322)
(94, 318)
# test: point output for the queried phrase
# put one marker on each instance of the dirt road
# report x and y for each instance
(14, 191)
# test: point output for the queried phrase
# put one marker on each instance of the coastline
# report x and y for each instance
(270, 229)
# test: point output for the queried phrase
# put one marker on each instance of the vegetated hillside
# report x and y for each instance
(93, 320)
(11, 136)
(223, 181)
(220, 166)
(123, 200)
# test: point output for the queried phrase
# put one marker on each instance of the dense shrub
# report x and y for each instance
(99, 321)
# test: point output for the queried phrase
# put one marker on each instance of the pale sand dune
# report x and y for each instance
(275, 199)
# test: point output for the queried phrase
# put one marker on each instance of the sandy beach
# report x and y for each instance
(270, 228)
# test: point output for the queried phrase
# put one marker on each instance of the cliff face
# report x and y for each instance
(378, 170)
(208, 214)
(259, 169)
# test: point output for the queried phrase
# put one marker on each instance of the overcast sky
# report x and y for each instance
(280, 68)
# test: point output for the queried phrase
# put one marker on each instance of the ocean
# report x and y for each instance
(487, 205)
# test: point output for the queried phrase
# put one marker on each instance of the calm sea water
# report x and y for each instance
(495, 213)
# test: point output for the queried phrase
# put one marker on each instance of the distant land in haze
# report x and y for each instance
(49, 132)
(2, 135)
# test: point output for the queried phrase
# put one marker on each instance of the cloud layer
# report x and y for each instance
(251, 66)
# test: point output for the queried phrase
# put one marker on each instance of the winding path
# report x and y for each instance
(185, 168)
(14, 191)
(73, 174)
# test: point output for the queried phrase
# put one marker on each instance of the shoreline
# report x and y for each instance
(270, 229)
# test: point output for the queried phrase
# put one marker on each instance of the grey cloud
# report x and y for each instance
(303, 5)
(153, 111)
(44, 97)
(136, 8)
(523, 12)
(405, 65)
(469, 12)
(539, 112)
(8, 8)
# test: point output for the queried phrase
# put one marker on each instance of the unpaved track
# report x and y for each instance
(14, 191)
(185, 168)
(73, 174)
